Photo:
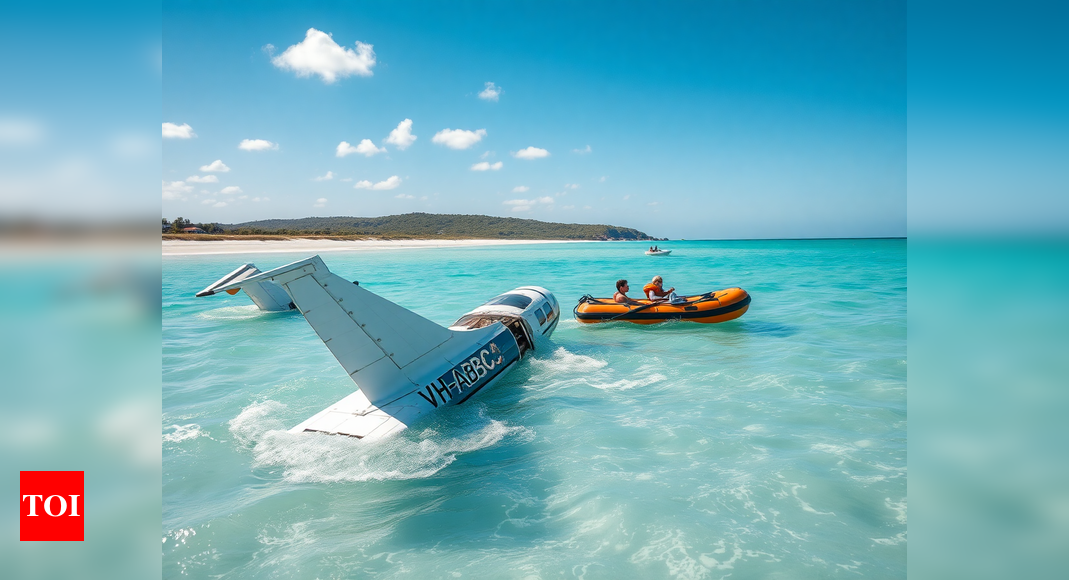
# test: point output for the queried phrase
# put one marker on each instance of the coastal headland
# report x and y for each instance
(413, 230)
(254, 245)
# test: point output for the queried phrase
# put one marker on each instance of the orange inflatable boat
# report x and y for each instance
(717, 306)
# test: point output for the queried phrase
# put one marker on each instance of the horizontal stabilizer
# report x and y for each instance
(265, 294)
(243, 272)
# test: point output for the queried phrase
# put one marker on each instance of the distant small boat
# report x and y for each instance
(658, 252)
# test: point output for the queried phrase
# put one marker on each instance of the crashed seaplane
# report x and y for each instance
(404, 365)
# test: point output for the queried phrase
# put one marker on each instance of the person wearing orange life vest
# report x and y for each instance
(655, 291)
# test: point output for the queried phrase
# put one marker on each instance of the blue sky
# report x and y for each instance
(79, 109)
(693, 120)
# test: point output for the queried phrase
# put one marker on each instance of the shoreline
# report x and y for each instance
(222, 247)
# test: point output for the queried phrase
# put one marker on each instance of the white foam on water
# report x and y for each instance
(851, 567)
(563, 361)
(628, 384)
(256, 420)
(709, 561)
(184, 433)
(247, 312)
(893, 541)
(840, 451)
(851, 367)
(292, 536)
(805, 505)
(898, 507)
(314, 457)
(671, 548)
(180, 536)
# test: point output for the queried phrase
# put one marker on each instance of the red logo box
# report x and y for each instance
(52, 506)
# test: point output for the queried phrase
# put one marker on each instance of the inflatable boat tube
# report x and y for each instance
(717, 306)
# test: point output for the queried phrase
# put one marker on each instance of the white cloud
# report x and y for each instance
(571, 186)
(487, 166)
(318, 54)
(257, 145)
(628, 196)
(208, 202)
(486, 154)
(259, 199)
(403, 196)
(365, 148)
(531, 153)
(183, 131)
(527, 204)
(392, 183)
(230, 190)
(216, 166)
(603, 178)
(582, 151)
(490, 93)
(327, 177)
(458, 138)
(269, 49)
(320, 202)
(347, 179)
(519, 204)
(220, 204)
(568, 207)
(202, 179)
(520, 189)
(654, 203)
(174, 190)
(402, 136)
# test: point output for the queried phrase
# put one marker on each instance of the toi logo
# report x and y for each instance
(52, 506)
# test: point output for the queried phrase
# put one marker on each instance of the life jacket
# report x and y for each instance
(656, 291)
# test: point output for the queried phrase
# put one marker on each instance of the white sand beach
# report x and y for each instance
(197, 248)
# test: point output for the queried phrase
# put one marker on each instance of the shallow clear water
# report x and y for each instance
(772, 446)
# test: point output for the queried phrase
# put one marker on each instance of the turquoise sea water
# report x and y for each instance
(773, 446)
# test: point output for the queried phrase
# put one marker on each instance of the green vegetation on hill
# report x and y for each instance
(430, 226)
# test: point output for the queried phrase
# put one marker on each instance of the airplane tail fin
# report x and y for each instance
(382, 346)
(266, 295)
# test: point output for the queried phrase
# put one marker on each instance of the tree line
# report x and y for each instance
(422, 225)
(179, 224)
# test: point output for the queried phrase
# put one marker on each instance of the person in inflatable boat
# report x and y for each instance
(621, 293)
(655, 292)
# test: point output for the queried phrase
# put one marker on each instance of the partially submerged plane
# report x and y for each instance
(404, 365)
(267, 294)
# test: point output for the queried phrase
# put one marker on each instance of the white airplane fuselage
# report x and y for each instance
(404, 365)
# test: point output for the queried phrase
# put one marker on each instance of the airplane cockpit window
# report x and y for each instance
(515, 300)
